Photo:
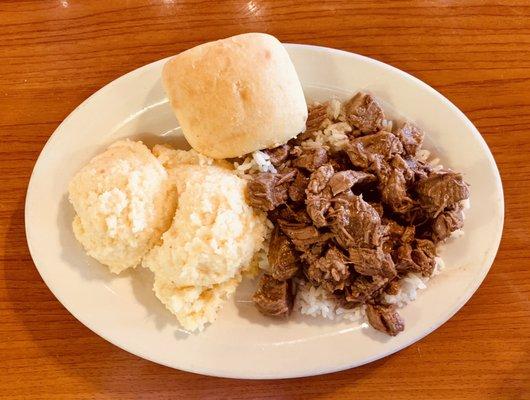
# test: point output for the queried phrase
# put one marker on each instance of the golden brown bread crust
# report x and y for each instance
(236, 95)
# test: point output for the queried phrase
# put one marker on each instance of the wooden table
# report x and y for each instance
(54, 54)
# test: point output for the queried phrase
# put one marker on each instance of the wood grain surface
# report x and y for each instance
(54, 54)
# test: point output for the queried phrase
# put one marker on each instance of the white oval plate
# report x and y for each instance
(242, 343)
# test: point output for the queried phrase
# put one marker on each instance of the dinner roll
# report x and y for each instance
(236, 95)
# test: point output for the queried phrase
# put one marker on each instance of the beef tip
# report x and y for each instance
(340, 210)
(401, 165)
(286, 176)
(411, 138)
(367, 152)
(446, 223)
(279, 154)
(298, 187)
(403, 259)
(313, 252)
(393, 287)
(420, 169)
(302, 235)
(394, 191)
(418, 256)
(385, 319)
(372, 262)
(282, 257)
(416, 216)
(441, 190)
(320, 178)
(344, 180)
(263, 193)
(340, 161)
(316, 115)
(378, 207)
(329, 272)
(395, 230)
(363, 112)
(266, 190)
(364, 288)
(317, 206)
(424, 256)
(355, 222)
(273, 297)
(318, 198)
(311, 159)
(408, 234)
(290, 214)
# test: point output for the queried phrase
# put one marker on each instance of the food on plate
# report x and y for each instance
(358, 211)
(236, 95)
(195, 306)
(214, 233)
(212, 240)
(342, 209)
(123, 202)
(183, 213)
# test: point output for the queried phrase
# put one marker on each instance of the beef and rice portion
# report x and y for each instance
(355, 208)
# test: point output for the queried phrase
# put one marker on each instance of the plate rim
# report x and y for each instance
(464, 298)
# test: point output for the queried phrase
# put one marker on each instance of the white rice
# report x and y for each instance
(315, 302)
(334, 137)
(411, 284)
(258, 161)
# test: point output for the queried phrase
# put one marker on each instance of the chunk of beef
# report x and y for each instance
(320, 178)
(372, 262)
(364, 288)
(394, 191)
(420, 169)
(446, 223)
(318, 194)
(290, 214)
(283, 261)
(302, 235)
(316, 115)
(364, 113)
(317, 206)
(408, 234)
(378, 207)
(266, 190)
(279, 154)
(385, 319)
(329, 272)
(355, 222)
(415, 216)
(367, 152)
(340, 161)
(263, 192)
(273, 297)
(313, 252)
(395, 230)
(424, 256)
(411, 138)
(344, 180)
(393, 287)
(311, 159)
(401, 165)
(298, 187)
(418, 256)
(403, 258)
(441, 190)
